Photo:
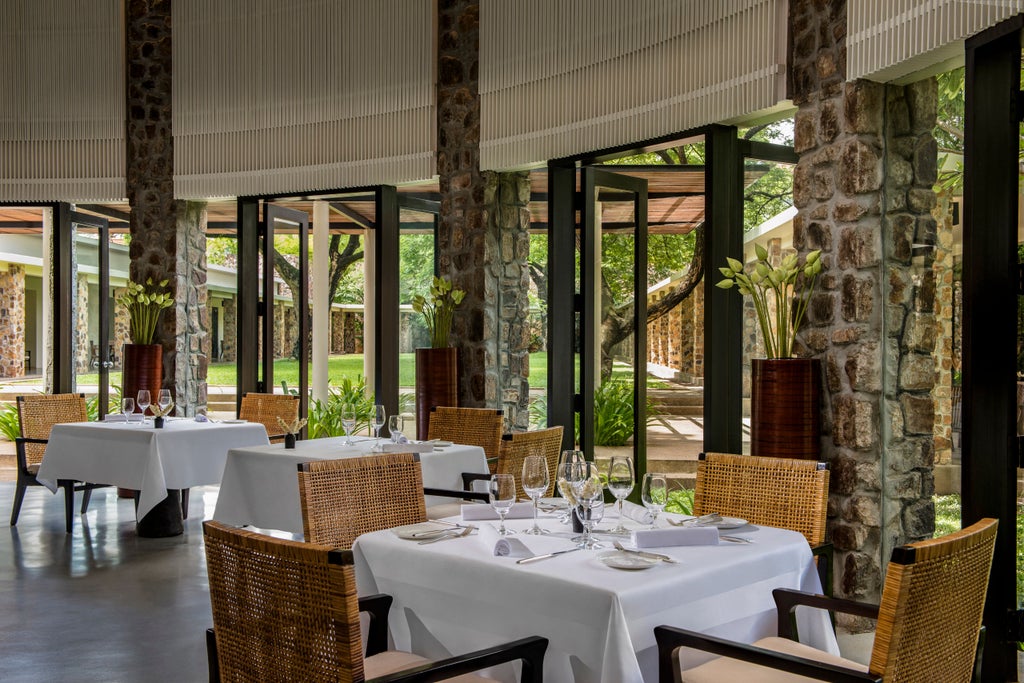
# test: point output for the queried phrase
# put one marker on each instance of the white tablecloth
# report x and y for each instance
(453, 597)
(260, 486)
(183, 454)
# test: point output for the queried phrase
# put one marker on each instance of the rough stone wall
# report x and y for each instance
(191, 310)
(676, 340)
(12, 321)
(82, 346)
(944, 359)
(229, 311)
(122, 328)
(863, 190)
(697, 333)
(337, 332)
(511, 222)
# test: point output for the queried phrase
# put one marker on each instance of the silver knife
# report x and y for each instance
(649, 556)
(535, 558)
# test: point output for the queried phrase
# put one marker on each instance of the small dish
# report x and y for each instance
(554, 502)
(728, 523)
(234, 422)
(616, 559)
(418, 532)
(442, 444)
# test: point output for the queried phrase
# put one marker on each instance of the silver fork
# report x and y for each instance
(454, 533)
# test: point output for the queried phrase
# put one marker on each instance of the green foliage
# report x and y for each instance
(438, 310)
(680, 501)
(9, 425)
(613, 414)
(325, 416)
(415, 265)
(222, 251)
(144, 304)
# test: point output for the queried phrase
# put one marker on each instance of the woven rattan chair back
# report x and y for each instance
(932, 602)
(470, 426)
(266, 408)
(282, 610)
(517, 445)
(780, 492)
(342, 499)
(37, 413)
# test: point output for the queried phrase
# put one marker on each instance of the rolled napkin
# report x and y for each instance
(471, 512)
(637, 513)
(502, 546)
(664, 538)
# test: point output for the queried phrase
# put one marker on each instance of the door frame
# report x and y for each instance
(102, 226)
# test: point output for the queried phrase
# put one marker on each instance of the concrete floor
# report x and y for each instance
(101, 604)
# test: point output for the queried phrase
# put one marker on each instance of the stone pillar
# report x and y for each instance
(229, 309)
(863, 191)
(944, 360)
(511, 218)
(12, 321)
(122, 328)
(83, 348)
(191, 310)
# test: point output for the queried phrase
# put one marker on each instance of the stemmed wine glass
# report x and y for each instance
(562, 476)
(163, 399)
(620, 483)
(127, 408)
(535, 482)
(654, 494)
(395, 425)
(143, 401)
(379, 416)
(348, 422)
(502, 492)
(589, 490)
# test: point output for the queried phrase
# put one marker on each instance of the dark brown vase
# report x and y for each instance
(785, 420)
(437, 383)
(142, 369)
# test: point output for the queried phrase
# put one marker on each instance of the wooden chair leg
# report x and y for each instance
(19, 496)
(184, 503)
(86, 496)
(69, 504)
(212, 663)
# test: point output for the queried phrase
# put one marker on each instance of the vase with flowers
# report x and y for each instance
(143, 360)
(437, 367)
(785, 399)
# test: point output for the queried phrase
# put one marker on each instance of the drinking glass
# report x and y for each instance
(142, 401)
(535, 482)
(379, 416)
(620, 483)
(589, 490)
(348, 422)
(163, 399)
(502, 492)
(562, 475)
(654, 494)
(127, 408)
(395, 425)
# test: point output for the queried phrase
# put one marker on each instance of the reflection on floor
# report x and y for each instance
(101, 604)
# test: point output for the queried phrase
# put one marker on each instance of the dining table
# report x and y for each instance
(260, 484)
(154, 462)
(456, 595)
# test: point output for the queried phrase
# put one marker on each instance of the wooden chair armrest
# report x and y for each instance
(462, 495)
(377, 606)
(787, 600)
(824, 554)
(19, 449)
(529, 650)
(670, 639)
(469, 477)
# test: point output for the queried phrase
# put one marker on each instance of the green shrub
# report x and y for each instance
(9, 425)
(613, 414)
(325, 416)
(680, 501)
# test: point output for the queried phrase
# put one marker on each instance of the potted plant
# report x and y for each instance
(437, 370)
(143, 360)
(785, 399)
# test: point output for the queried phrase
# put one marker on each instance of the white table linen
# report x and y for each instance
(184, 453)
(453, 597)
(260, 488)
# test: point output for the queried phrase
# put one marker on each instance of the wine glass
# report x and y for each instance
(654, 494)
(127, 408)
(562, 475)
(589, 490)
(535, 482)
(502, 492)
(395, 425)
(379, 416)
(620, 483)
(348, 422)
(143, 402)
(163, 399)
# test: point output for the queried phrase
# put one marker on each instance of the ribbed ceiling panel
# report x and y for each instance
(889, 40)
(274, 96)
(564, 77)
(61, 100)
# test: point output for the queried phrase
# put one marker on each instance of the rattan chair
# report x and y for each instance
(288, 611)
(37, 413)
(928, 624)
(266, 408)
(780, 492)
(470, 426)
(344, 498)
(515, 447)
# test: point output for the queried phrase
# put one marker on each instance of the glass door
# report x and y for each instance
(612, 356)
(94, 352)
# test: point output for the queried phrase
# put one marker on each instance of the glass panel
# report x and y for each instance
(222, 338)
(416, 273)
(93, 364)
(537, 323)
(22, 277)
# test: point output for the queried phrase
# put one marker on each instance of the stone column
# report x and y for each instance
(482, 241)
(191, 311)
(83, 348)
(863, 190)
(230, 311)
(12, 321)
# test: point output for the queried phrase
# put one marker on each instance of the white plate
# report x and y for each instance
(554, 501)
(409, 532)
(234, 422)
(442, 444)
(727, 523)
(629, 561)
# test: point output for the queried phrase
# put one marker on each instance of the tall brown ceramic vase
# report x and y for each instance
(437, 383)
(142, 369)
(785, 419)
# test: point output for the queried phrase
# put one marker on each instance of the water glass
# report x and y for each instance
(654, 494)
(163, 399)
(127, 408)
(502, 493)
(589, 491)
(379, 415)
(348, 422)
(620, 483)
(563, 474)
(535, 482)
(143, 402)
(395, 425)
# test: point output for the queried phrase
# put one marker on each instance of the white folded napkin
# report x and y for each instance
(471, 512)
(408, 447)
(664, 538)
(637, 513)
(113, 417)
(519, 546)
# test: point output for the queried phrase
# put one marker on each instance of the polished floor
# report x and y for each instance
(101, 604)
